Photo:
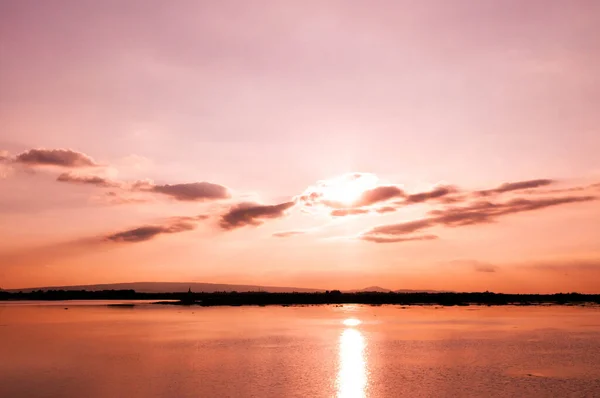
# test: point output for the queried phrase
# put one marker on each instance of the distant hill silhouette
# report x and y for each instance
(182, 287)
(174, 287)
(378, 289)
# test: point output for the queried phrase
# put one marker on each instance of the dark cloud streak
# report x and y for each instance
(89, 180)
(515, 186)
(473, 214)
(386, 209)
(348, 212)
(383, 239)
(402, 228)
(436, 193)
(287, 234)
(148, 232)
(485, 212)
(378, 194)
(252, 214)
(55, 157)
(195, 191)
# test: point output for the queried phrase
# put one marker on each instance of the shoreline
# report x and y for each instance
(293, 299)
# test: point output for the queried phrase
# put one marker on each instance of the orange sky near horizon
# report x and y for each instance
(331, 145)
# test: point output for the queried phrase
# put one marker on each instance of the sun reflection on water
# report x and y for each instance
(351, 322)
(352, 375)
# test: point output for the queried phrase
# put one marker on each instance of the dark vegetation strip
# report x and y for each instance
(329, 297)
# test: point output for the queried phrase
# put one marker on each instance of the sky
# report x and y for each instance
(321, 144)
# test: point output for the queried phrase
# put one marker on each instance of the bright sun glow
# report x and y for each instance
(348, 188)
(351, 322)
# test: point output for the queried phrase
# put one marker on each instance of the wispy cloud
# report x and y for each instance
(385, 209)
(485, 212)
(195, 191)
(486, 268)
(287, 234)
(88, 180)
(388, 239)
(71, 159)
(401, 228)
(471, 214)
(348, 212)
(118, 198)
(435, 193)
(515, 186)
(573, 265)
(347, 195)
(475, 265)
(148, 232)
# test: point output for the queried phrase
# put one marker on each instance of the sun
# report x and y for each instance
(340, 192)
(348, 188)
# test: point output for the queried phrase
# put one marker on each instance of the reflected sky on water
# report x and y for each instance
(316, 351)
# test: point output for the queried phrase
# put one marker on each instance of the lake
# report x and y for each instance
(93, 350)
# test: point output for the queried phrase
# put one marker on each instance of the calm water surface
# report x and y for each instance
(91, 350)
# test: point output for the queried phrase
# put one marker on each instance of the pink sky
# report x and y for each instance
(152, 141)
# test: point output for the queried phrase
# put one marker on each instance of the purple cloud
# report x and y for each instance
(252, 214)
(472, 214)
(195, 191)
(87, 179)
(515, 186)
(55, 157)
